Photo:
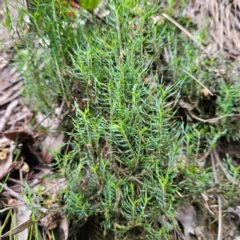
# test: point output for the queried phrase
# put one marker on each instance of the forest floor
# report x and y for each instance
(191, 66)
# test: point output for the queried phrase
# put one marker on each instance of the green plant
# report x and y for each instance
(89, 4)
(131, 150)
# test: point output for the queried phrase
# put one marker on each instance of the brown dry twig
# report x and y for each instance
(11, 192)
(215, 155)
(184, 30)
(212, 120)
(190, 75)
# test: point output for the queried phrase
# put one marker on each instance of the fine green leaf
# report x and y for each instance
(89, 4)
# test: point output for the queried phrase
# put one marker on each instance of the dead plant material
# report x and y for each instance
(213, 153)
(186, 105)
(51, 142)
(217, 28)
(187, 216)
(7, 113)
(190, 75)
(212, 120)
(19, 228)
(51, 220)
(9, 192)
(19, 137)
(206, 93)
(184, 30)
(221, 19)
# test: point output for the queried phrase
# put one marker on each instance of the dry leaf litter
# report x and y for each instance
(20, 153)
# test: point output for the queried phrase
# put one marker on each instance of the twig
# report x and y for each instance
(11, 192)
(213, 153)
(199, 160)
(190, 75)
(184, 30)
(20, 174)
(206, 204)
(212, 120)
(5, 209)
(15, 181)
(228, 176)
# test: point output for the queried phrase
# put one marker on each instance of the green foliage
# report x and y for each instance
(89, 4)
(126, 161)
(131, 151)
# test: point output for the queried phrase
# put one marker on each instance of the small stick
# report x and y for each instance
(5, 209)
(212, 120)
(228, 176)
(183, 30)
(11, 192)
(190, 75)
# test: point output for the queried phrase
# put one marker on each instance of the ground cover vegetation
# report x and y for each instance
(144, 111)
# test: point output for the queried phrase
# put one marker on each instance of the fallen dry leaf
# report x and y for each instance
(52, 143)
(23, 215)
(62, 230)
(187, 216)
(54, 185)
(185, 105)
(18, 229)
(19, 137)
